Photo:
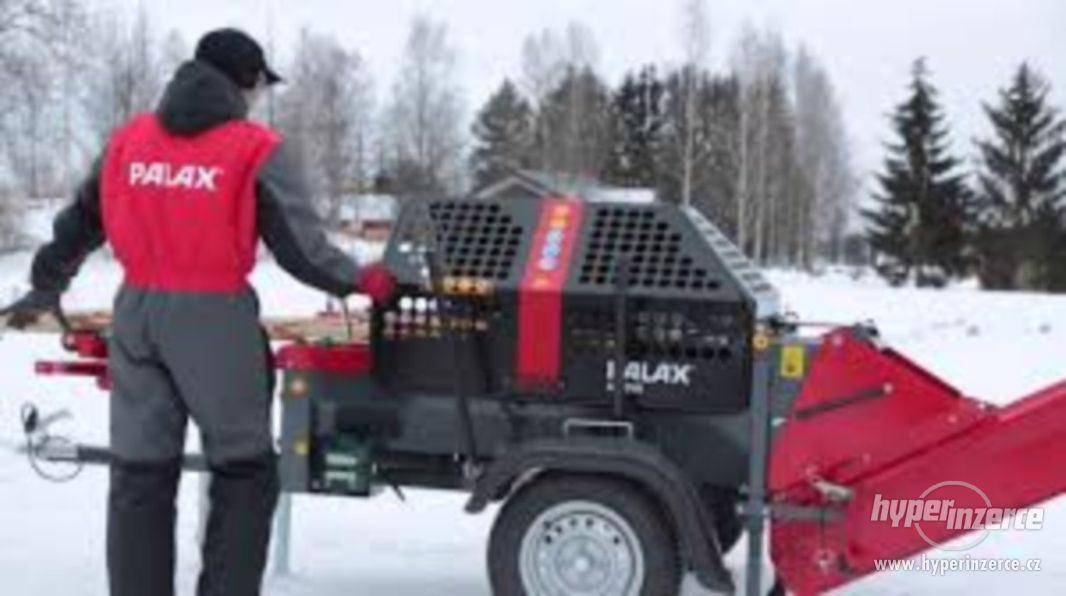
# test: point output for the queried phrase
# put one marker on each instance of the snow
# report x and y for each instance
(629, 196)
(998, 346)
(368, 207)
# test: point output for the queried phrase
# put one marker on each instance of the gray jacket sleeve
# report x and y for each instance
(293, 231)
(77, 231)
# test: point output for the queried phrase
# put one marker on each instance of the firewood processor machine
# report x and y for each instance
(623, 381)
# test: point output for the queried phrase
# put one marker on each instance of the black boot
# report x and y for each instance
(243, 496)
(140, 528)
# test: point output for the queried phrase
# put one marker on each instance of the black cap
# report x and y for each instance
(236, 54)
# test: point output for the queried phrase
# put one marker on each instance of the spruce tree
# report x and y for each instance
(920, 225)
(1021, 190)
(503, 134)
(637, 122)
(574, 125)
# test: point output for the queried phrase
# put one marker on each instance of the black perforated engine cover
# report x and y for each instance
(691, 303)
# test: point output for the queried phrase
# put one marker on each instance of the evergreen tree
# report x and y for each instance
(714, 126)
(1020, 239)
(503, 133)
(637, 122)
(574, 125)
(919, 228)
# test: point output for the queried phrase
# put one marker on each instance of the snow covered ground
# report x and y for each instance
(992, 345)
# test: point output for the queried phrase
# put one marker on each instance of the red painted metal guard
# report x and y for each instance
(349, 359)
(871, 421)
(90, 348)
(540, 299)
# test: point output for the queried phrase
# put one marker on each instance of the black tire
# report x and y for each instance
(722, 504)
(654, 533)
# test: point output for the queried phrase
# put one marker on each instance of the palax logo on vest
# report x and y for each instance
(165, 175)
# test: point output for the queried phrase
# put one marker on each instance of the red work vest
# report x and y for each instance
(180, 211)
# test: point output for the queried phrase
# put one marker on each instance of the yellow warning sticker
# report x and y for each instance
(793, 361)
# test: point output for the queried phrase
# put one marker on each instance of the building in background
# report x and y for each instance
(367, 217)
(535, 184)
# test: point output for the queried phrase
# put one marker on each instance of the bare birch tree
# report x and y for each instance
(70, 31)
(325, 112)
(174, 51)
(34, 35)
(122, 77)
(424, 138)
(574, 126)
(543, 65)
(823, 154)
(759, 61)
(549, 58)
(696, 36)
(31, 128)
(33, 40)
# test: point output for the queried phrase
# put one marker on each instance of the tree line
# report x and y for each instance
(1002, 220)
(69, 74)
(760, 147)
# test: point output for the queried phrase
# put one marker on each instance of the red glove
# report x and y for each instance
(375, 280)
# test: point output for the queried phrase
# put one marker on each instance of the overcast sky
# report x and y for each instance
(867, 45)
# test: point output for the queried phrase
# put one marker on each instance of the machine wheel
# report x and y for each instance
(583, 536)
(722, 503)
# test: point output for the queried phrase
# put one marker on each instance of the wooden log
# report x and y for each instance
(325, 326)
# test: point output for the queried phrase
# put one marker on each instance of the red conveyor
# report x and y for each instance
(869, 428)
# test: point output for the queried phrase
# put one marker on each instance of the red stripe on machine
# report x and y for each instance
(540, 299)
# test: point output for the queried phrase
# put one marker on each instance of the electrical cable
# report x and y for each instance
(30, 426)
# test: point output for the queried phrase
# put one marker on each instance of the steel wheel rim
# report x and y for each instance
(581, 548)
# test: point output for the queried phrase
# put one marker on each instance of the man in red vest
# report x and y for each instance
(183, 195)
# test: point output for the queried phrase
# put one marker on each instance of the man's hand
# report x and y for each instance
(375, 280)
(28, 310)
